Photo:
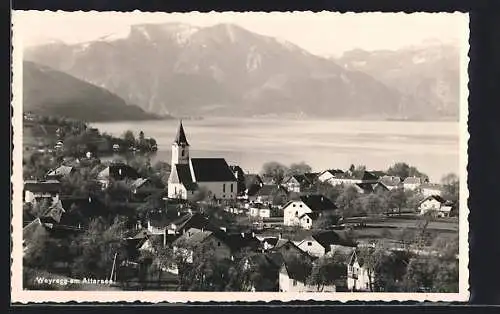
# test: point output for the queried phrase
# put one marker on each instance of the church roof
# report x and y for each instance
(180, 138)
(211, 170)
(184, 175)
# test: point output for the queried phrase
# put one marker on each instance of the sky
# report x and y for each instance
(325, 33)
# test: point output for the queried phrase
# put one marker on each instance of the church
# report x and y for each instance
(188, 175)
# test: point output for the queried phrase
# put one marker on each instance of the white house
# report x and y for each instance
(429, 189)
(293, 278)
(294, 210)
(188, 175)
(435, 204)
(329, 174)
(411, 183)
(338, 177)
(321, 243)
(41, 189)
(359, 277)
(259, 210)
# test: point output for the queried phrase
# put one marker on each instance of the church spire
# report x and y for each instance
(180, 138)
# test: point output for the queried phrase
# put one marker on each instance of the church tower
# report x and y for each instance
(180, 148)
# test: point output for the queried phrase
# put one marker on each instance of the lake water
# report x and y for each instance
(432, 147)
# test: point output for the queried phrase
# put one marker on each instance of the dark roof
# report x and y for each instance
(328, 238)
(211, 170)
(334, 171)
(195, 220)
(297, 269)
(184, 175)
(119, 171)
(366, 187)
(61, 171)
(378, 173)
(270, 189)
(313, 215)
(318, 202)
(180, 138)
(436, 197)
(43, 186)
(271, 240)
(238, 241)
(252, 180)
(311, 176)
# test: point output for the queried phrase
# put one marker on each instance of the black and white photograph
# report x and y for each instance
(283, 156)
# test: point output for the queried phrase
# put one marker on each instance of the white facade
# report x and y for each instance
(29, 197)
(306, 222)
(178, 190)
(312, 247)
(429, 205)
(180, 154)
(287, 284)
(292, 212)
(428, 191)
(358, 278)
(260, 212)
(221, 190)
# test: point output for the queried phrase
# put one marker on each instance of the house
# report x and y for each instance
(269, 194)
(391, 182)
(188, 221)
(142, 188)
(285, 247)
(429, 189)
(380, 187)
(240, 242)
(260, 210)
(60, 172)
(412, 183)
(322, 243)
(293, 277)
(116, 171)
(349, 177)
(359, 277)
(212, 176)
(295, 209)
(41, 189)
(262, 273)
(298, 182)
(200, 239)
(253, 182)
(267, 243)
(329, 174)
(437, 205)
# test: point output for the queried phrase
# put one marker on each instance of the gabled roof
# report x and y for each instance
(184, 176)
(365, 187)
(138, 183)
(270, 189)
(313, 215)
(378, 173)
(61, 171)
(390, 180)
(317, 202)
(195, 220)
(412, 180)
(237, 241)
(211, 170)
(334, 172)
(118, 171)
(311, 176)
(328, 238)
(55, 211)
(297, 270)
(194, 237)
(436, 197)
(252, 180)
(180, 138)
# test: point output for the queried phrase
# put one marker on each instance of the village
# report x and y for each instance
(201, 224)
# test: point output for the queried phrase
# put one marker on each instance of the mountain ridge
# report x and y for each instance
(225, 69)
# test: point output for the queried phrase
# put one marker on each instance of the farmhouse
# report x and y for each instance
(116, 171)
(260, 210)
(269, 193)
(294, 210)
(322, 243)
(412, 183)
(359, 277)
(207, 175)
(349, 177)
(437, 205)
(428, 189)
(194, 239)
(299, 182)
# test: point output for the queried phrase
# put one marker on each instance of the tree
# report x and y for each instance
(274, 170)
(348, 201)
(374, 204)
(451, 186)
(332, 192)
(325, 221)
(403, 170)
(372, 258)
(299, 168)
(129, 137)
(397, 199)
(326, 270)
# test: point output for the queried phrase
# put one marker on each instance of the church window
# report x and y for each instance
(223, 187)
(231, 188)
(182, 152)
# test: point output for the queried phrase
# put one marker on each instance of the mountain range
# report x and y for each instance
(53, 93)
(227, 70)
